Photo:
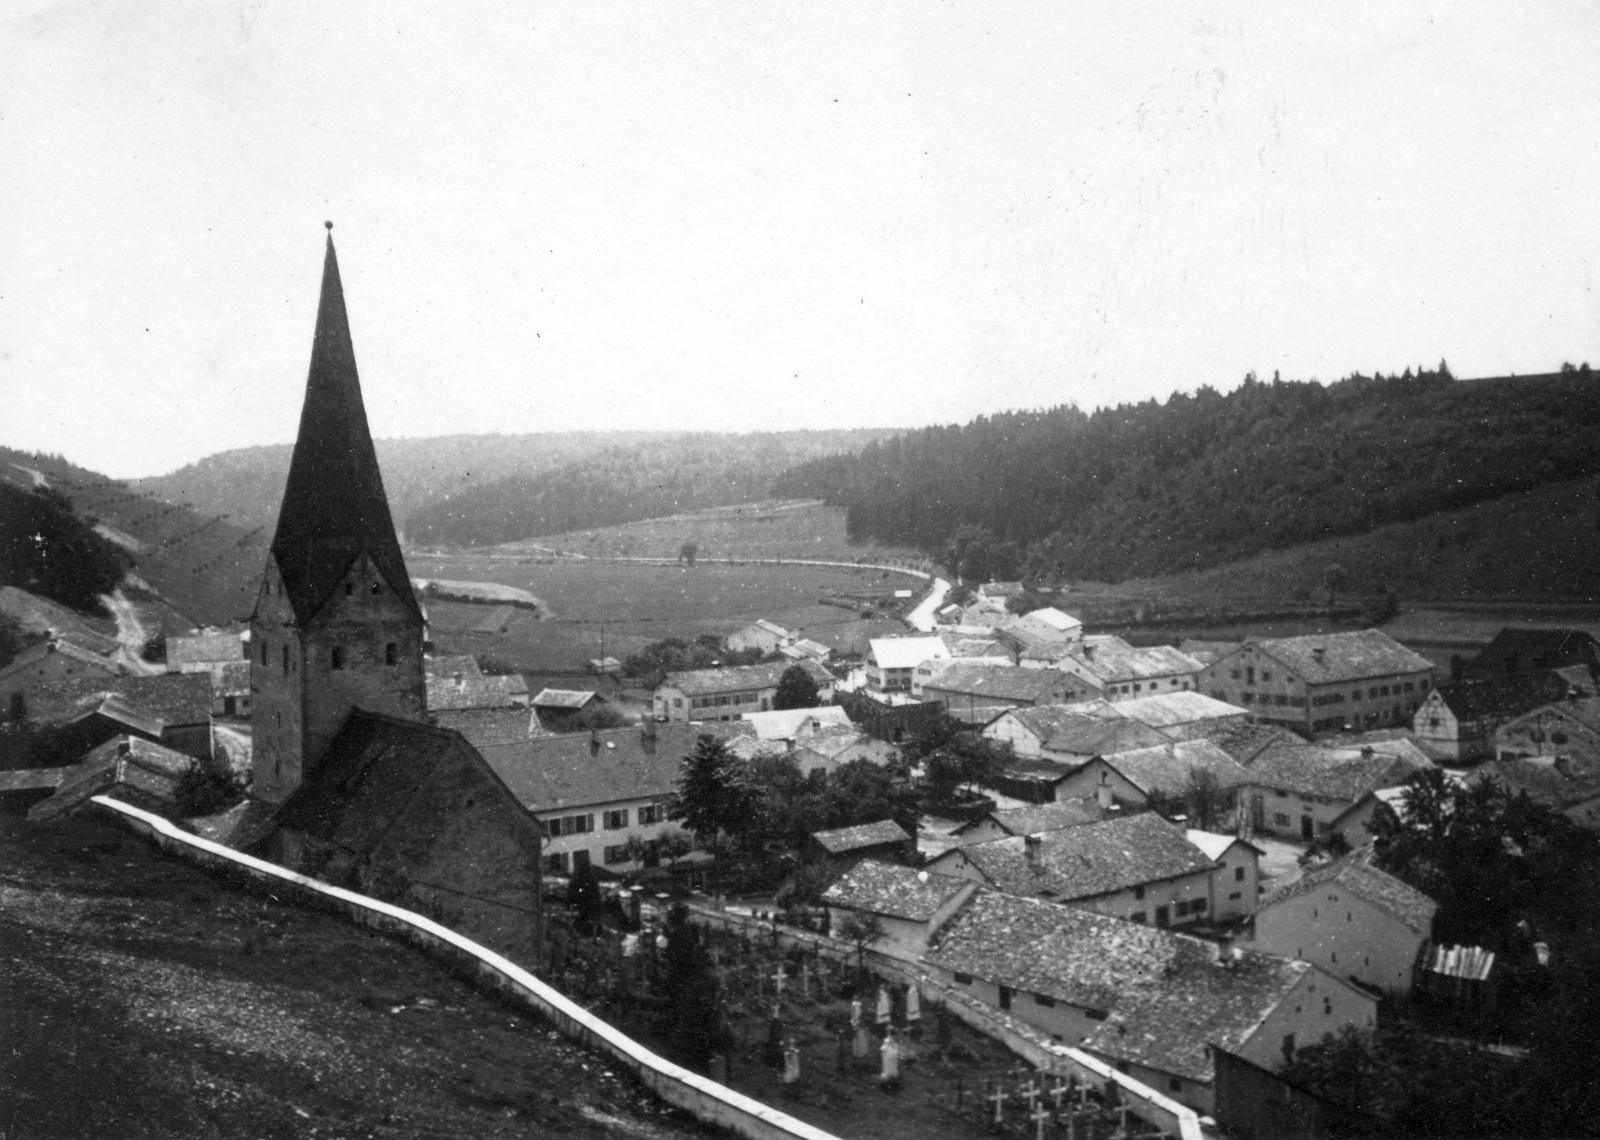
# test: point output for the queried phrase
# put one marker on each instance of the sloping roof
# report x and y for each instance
(449, 666)
(905, 652)
(1038, 818)
(1044, 721)
(1096, 736)
(1351, 656)
(1114, 664)
(1056, 619)
(1173, 710)
(893, 891)
(1001, 589)
(480, 692)
(234, 678)
(1584, 710)
(1556, 787)
(113, 708)
(1206, 652)
(1083, 862)
(1213, 845)
(1245, 742)
(205, 647)
(1008, 682)
(1356, 874)
(141, 767)
(372, 770)
(483, 727)
(1166, 768)
(37, 652)
(1501, 698)
(1333, 773)
(1168, 995)
(564, 698)
(804, 647)
(832, 740)
(841, 840)
(740, 678)
(1036, 635)
(584, 769)
(1519, 650)
(334, 506)
(783, 724)
(171, 698)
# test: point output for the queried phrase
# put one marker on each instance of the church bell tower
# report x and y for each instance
(336, 624)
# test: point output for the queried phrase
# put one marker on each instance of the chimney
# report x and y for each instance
(1088, 652)
(647, 733)
(1319, 653)
(1030, 848)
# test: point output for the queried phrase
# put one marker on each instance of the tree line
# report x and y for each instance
(1205, 479)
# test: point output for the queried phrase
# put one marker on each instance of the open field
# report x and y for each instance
(144, 999)
(774, 529)
(637, 603)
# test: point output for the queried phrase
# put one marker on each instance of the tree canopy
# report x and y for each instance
(796, 690)
(46, 549)
(715, 795)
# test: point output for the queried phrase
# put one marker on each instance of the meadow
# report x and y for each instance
(633, 604)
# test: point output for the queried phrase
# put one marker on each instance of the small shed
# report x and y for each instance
(843, 847)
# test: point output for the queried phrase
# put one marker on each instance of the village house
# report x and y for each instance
(1569, 728)
(561, 710)
(1352, 920)
(730, 693)
(1001, 591)
(1323, 682)
(483, 727)
(1458, 720)
(831, 748)
(173, 709)
(1151, 777)
(1572, 651)
(762, 635)
(841, 848)
(1565, 784)
(1184, 715)
(413, 815)
(1005, 823)
(908, 905)
(222, 654)
(593, 793)
(793, 726)
(1113, 670)
(1069, 734)
(454, 685)
(1141, 868)
(41, 667)
(128, 768)
(804, 649)
(975, 692)
(1298, 791)
(1236, 883)
(891, 661)
(1039, 639)
(1151, 1002)
(1245, 742)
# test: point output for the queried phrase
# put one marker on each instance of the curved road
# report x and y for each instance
(921, 618)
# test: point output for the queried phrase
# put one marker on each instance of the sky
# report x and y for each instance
(730, 216)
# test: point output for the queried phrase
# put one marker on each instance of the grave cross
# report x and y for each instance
(999, 1098)
(777, 982)
(1039, 1116)
(1058, 1090)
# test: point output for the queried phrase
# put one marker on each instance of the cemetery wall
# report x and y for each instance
(702, 1098)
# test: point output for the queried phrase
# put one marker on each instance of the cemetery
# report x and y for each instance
(831, 1043)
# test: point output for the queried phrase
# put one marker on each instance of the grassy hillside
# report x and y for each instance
(205, 566)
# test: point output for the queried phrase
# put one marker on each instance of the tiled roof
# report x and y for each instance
(1171, 710)
(906, 652)
(1333, 773)
(1518, 650)
(480, 692)
(1008, 682)
(1044, 721)
(1167, 994)
(1001, 589)
(1166, 768)
(1213, 844)
(1245, 742)
(483, 727)
(1206, 652)
(1585, 711)
(1056, 619)
(1352, 656)
(583, 769)
(1083, 862)
(1042, 817)
(783, 724)
(840, 840)
(235, 678)
(893, 891)
(1557, 788)
(463, 663)
(740, 678)
(1355, 873)
(1114, 665)
(1500, 698)
(204, 648)
(563, 698)
(1097, 736)
(140, 766)
(833, 740)
(102, 666)
(171, 698)
(1036, 636)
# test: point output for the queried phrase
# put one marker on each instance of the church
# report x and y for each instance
(363, 792)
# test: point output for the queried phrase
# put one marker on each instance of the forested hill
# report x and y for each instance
(649, 478)
(1201, 480)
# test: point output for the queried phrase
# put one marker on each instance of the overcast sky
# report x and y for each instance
(736, 216)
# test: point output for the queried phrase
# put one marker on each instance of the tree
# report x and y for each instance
(1205, 802)
(796, 690)
(690, 1025)
(673, 844)
(714, 791)
(860, 929)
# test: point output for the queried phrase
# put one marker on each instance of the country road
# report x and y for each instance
(921, 618)
(131, 633)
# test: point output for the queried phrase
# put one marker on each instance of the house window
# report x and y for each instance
(1138, 892)
(555, 864)
(616, 854)
(1047, 1002)
(649, 813)
(1180, 908)
(1266, 676)
(1280, 819)
(1162, 917)
(677, 702)
(963, 979)
(338, 657)
(1236, 896)
(1198, 906)
(1137, 916)
(1235, 674)
(285, 660)
(1238, 874)
(391, 654)
(1558, 738)
(263, 651)
(615, 820)
(1433, 722)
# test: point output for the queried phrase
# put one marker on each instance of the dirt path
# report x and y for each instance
(131, 633)
(142, 999)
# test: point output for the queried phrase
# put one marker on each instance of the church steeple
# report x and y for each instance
(334, 507)
(336, 625)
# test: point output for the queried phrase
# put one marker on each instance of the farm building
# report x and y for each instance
(1515, 651)
(1569, 728)
(1298, 791)
(975, 692)
(128, 768)
(910, 906)
(1147, 777)
(1458, 720)
(1010, 822)
(729, 693)
(892, 661)
(172, 708)
(841, 848)
(1115, 671)
(761, 635)
(42, 667)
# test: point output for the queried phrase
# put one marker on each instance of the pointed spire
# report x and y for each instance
(334, 507)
